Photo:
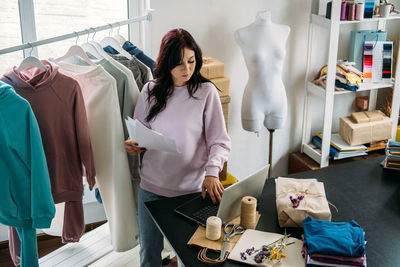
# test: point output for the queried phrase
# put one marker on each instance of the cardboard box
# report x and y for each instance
(362, 102)
(371, 130)
(225, 105)
(223, 85)
(212, 68)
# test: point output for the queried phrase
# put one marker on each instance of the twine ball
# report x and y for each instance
(248, 212)
(213, 228)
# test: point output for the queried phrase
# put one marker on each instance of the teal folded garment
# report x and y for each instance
(334, 238)
(394, 144)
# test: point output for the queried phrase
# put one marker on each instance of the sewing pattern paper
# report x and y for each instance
(148, 138)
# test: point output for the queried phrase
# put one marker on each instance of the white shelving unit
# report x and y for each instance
(328, 95)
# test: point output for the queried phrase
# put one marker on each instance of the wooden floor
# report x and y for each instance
(45, 246)
(63, 254)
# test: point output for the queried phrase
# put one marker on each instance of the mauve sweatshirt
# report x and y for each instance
(197, 125)
(57, 103)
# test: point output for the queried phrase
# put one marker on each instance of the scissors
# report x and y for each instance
(230, 230)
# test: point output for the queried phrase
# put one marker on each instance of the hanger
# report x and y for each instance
(75, 50)
(90, 48)
(121, 40)
(31, 61)
(98, 47)
(110, 41)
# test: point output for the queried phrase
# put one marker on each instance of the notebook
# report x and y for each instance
(199, 209)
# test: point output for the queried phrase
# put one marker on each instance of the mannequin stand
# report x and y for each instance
(271, 134)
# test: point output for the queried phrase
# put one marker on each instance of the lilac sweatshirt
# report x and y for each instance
(198, 128)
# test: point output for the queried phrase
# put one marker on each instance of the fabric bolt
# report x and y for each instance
(139, 70)
(198, 128)
(113, 178)
(25, 193)
(58, 105)
(334, 238)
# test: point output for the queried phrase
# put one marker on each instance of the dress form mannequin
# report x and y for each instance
(264, 99)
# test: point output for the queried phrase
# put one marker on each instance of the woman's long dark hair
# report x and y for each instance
(170, 56)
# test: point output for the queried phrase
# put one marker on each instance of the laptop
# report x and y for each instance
(199, 209)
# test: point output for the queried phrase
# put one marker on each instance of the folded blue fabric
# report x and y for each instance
(339, 84)
(394, 144)
(334, 238)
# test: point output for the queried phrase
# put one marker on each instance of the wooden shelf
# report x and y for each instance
(326, 23)
(328, 96)
(320, 91)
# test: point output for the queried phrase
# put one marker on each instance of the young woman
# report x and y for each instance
(182, 105)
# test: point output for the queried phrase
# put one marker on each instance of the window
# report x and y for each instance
(55, 18)
(10, 34)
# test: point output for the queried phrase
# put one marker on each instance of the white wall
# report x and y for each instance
(212, 23)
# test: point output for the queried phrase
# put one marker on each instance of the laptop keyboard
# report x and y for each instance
(205, 212)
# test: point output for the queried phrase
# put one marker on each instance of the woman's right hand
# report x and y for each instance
(132, 147)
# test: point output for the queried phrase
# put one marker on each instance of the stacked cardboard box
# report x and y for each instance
(214, 70)
(365, 127)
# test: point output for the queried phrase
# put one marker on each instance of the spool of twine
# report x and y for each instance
(213, 228)
(248, 212)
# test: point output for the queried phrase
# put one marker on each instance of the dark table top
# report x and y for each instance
(362, 191)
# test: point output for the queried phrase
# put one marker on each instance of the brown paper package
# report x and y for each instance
(212, 68)
(223, 85)
(373, 126)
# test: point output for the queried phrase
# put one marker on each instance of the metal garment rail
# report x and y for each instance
(74, 34)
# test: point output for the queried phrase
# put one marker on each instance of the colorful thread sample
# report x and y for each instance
(387, 61)
(367, 61)
(351, 11)
(369, 8)
(343, 11)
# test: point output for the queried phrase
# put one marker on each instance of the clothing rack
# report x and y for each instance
(147, 17)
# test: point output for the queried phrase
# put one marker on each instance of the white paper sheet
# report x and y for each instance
(148, 138)
(257, 238)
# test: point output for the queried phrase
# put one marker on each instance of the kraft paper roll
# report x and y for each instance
(213, 228)
(359, 11)
(248, 212)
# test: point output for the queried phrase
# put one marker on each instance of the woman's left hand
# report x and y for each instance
(214, 188)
